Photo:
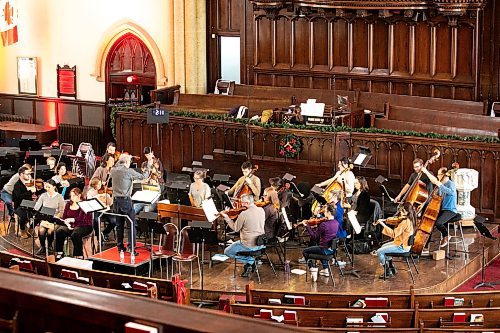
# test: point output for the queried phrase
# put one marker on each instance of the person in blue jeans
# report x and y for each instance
(325, 232)
(401, 234)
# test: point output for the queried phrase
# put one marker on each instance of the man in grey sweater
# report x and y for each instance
(250, 224)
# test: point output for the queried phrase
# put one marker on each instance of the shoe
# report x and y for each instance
(302, 260)
(444, 241)
(425, 252)
(388, 273)
(24, 234)
(104, 237)
(392, 268)
(130, 251)
(59, 256)
(51, 249)
(247, 269)
(41, 251)
(324, 272)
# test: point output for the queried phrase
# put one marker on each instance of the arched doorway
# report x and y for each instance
(130, 72)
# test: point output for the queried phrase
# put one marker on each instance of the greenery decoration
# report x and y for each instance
(224, 117)
(290, 146)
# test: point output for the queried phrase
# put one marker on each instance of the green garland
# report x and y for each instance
(191, 114)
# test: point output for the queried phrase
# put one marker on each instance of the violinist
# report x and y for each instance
(250, 224)
(111, 150)
(103, 171)
(199, 190)
(283, 190)
(95, 187)
(152, 168)
(448, 211)
(325, 233)
(248, 178)
(7, 192)
(271, 206)
(21, 192)
(51, 162)
(400, 235)
(418, 163)
(60, 178)
(344, 176)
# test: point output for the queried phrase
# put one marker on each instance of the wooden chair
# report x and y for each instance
(168, 246)
(406, 256)
(186, 252)
(224, 87)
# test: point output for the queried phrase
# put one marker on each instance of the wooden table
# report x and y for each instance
(14, 130)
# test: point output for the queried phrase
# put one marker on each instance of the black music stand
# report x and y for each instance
(178, 192)
(29, 206)
(149, 221)
(362, 158)
(289, 179)
(199, 233)
(380, 180)
(485, 233)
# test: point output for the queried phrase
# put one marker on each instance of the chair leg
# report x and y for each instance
(257, 270)
(462, 238)
(191, 271)
(271, 264)
(234, 270)
(199, 269)
(413, 261)
(337, 263)
(409, 269)
(331, 273)
(161, 269)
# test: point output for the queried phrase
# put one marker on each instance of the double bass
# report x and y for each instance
(333, 187)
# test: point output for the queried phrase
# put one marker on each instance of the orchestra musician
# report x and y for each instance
(94, 191)
(344, 176)
(78, 225)
(250, 224)
(59, 177)
(283, 190)
(271, 209)
(360, 201)
(249, 178)
(50, 199)
(7, 192)
(123, 177)
(20, 192)
(418, 163)
(152, 168)
(102, 172)
(111, 150)
(400, 235)
(199, 190)
(51, 162)
(325, 233)
(448, 211)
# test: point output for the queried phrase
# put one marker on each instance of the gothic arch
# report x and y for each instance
(117, 32)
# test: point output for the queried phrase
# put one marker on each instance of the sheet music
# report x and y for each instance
(146, 196)
(91, 205)
(164, 201)
(354, 221)
(285, 216)
(210, 210)
(359, 160)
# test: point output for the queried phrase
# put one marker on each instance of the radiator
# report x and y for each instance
(75, 134)
(16, 118)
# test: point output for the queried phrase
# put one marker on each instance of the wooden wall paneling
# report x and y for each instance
(400, 88)
(380, 87)
(442, 91)
(433, 55)
(237, 13)
(264, 42)
(45, 112)
(283, 42)
(466, 53)
(370, 48)
(444, 50)
(273, 42)
(390, 48)
(411, 50)
(320, 83)
(422, 50)
(301, 82)
(301, 44)
(223, 15)
(68, 113)
(5, 105)
(463, 93)
(380, 48)
(421, 90)
(454, 51)
(362, 85)
(341, 46)
(350, 46)
(401, 47)
(282, 80)
(24, 108)
(489, 170)
(330, 44)
(320, 44)
(263, 79)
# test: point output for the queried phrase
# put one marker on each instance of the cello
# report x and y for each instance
(244, 189)
(334, 187)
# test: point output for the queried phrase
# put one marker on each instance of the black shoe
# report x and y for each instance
(41, 251)
(129, 250)
(388, 273)
(247, 269)
(393, 269)
(120, 249)
(104, 237)
(51, 249)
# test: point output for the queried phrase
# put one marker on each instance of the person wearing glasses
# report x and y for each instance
(199, 190)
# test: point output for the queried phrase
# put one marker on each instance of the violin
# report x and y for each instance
(244, 189)
(108, 190)
(314, 221)
(262, 203)
(37, 183)
(235, 212)
(393, 220)
(69, 175)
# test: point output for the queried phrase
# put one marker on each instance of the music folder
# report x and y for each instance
(146, 196)
(210, 210)
(91, 205)
(354, 221)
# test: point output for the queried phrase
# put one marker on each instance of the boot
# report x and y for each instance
(393, 269)
(388, 272)
(24, 234)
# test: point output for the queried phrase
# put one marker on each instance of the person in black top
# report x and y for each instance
(361, 200)
(22, 192)
(283, 191)
(271, 209)
(417, 167)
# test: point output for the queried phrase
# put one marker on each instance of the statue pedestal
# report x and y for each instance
(465, 180)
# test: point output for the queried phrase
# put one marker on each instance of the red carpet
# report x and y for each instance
(113, 256)
(492, 275)
(18, 252)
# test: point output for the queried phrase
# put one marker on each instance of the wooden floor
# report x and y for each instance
(435, 276)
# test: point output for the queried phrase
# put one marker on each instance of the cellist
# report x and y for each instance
(249, 179)
(448, 211)
(344, 176)
(418, 163)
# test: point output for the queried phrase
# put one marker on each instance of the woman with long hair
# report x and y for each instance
(271, 209)
(361, 200)
(51, 199)
(400, 234)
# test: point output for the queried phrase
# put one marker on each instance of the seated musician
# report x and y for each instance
(51, 162)
(249, 179)
(250, 224)
(344, 176)
(111, 150)
(103, 171)
(199, 190)
(51, 199)
(324, 232)
(20, 192)
(59, 177)
(271, 210)
(7, 192)
(448, 210)
(283, 190)
(94, 191)
(152, 167)
(400, 235)
(78, 225)
(360, 201)
(418, 163)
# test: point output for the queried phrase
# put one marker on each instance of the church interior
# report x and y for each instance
(217, 165)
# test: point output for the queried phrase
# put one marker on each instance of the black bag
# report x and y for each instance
(360, 247)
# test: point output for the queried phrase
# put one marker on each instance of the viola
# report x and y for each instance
(37, 183)
(315, 221)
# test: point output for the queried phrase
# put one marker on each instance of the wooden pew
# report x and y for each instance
(326, 300)
(31, 265)
(477, 299)
(443, 318)
(332, 317)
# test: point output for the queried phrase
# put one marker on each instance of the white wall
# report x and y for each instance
(71, 32)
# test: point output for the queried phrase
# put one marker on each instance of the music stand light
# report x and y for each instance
(485, 233)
